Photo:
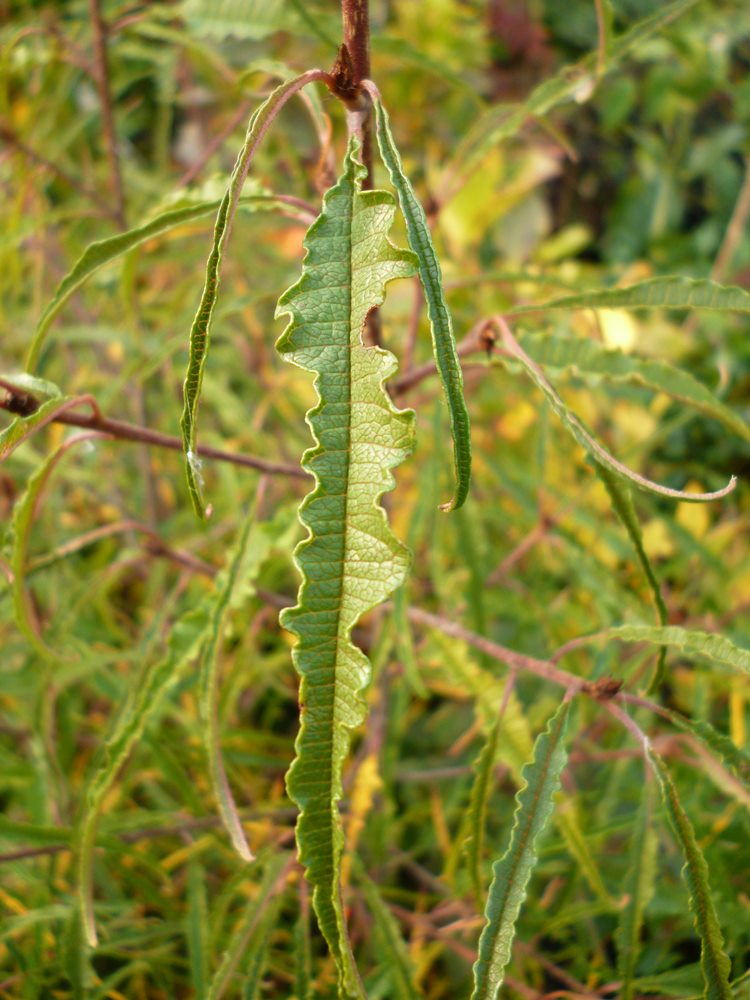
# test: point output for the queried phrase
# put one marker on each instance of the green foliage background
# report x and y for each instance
(640, 175)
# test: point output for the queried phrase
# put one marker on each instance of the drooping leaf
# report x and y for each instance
(441, 324)
(512, 872)
(717, 648)
(638, 890)
(186, 640)
(200, 332)
(715, 963)
(589, 360)
(102, 252)
(657, 293)
(598, 453)
(350, 561)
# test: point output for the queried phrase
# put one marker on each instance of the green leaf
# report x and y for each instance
(251, 925)
(186, 640)
(23, 427)
(200, 332)
(196, 930)
(351, 561)
(483, 768)
(715, 964)
(512, 872)
(692, 643)
(303, 950)
(258, 948)
(622, 504)
(32, 384)
(209, 688)
(23, 519)
(733, 756)
(592, 362)
(638, 890)
(392, 953)
(441, 325)
(102, 252)
(599, 454)
(570, 83)
(662, 293)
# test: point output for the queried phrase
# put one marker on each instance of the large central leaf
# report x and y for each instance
(351, 561)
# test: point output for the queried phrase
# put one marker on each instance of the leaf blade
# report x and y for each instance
(185, 642)
(200, 331)
(441, 324)
(350, 560)
(656, 293)
(576, 428)
(715, 963)
(512, 872)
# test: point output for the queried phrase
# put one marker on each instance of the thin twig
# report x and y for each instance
(99, 28)
(512, 659)
(132, 432)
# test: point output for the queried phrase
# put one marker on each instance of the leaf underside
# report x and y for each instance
(351, 561)
(512, 872)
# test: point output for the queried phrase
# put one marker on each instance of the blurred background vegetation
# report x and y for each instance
(643, 173)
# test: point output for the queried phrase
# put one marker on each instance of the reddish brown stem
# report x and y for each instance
(24, 403)
(355, 17)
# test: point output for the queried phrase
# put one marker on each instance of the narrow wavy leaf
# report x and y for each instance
(511, 874)
(102, 252)
(638, 890)
(717, 648)
(441, 324)
(200, 332)
(186, 640)
(351, 561)
(587, 441)
(656, 293)
(592, 362)
(715, 964)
